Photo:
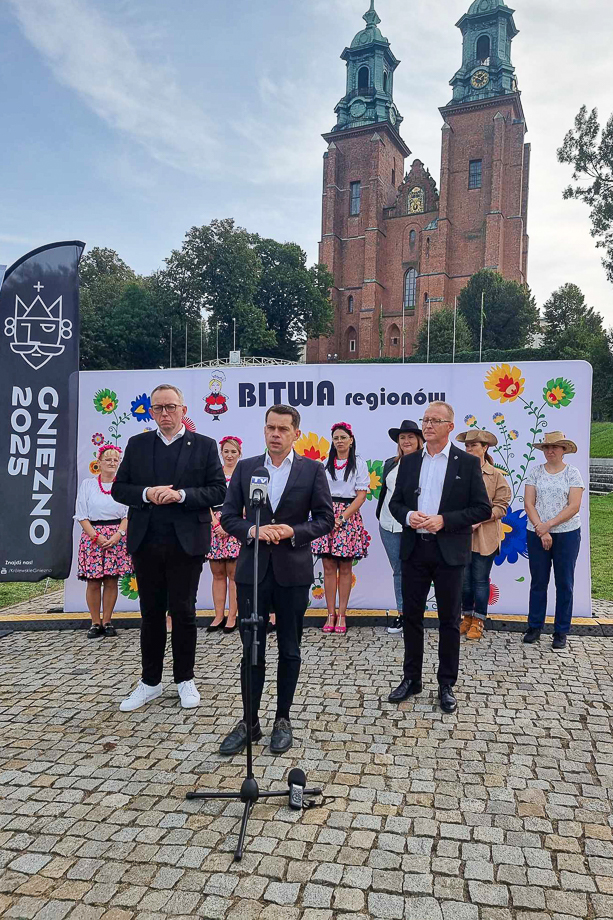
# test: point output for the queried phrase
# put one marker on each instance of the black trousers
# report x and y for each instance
(424, 567)
(167, 582)
(289, 605)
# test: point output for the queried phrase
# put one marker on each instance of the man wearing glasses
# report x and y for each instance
(439, 495)
(169, 478)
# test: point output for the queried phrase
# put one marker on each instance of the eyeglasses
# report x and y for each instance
(434, 421)
(109, 459)
(170, 408)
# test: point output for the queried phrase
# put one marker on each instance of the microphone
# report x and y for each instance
(296, 782)
(258, 489)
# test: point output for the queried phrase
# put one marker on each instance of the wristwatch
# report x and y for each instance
(122, 532)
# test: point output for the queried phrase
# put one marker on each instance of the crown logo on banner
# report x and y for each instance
(37, 330)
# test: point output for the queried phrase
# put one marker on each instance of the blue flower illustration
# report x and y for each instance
(514, 539)
(140, 408)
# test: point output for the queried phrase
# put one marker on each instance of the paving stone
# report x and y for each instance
(389, 906)
(351, 900)
(282, 892)
(458, 910)
(482, 893)
(566, 902)
(423, 909)
(30, 863)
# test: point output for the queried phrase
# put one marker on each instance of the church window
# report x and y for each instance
(363, 78)
(352, 345)
(350, 304)
(474, 173)
(385, 81)
(356, 196)
(416, 201)
(483, 49)
(412, 237)
(410, 284)
(394, 340)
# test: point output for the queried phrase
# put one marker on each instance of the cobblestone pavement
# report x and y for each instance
(500, 812)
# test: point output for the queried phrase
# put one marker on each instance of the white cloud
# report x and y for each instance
(97, 59)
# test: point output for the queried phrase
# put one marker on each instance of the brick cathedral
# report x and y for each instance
(396, 246)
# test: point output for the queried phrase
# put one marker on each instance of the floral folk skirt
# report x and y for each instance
(223, 549)
(349, 541)
(94, 562)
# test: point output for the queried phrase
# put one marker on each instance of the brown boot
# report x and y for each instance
(476, 629)
(466, 623)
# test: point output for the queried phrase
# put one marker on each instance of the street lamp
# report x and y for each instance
(430, 300)
(333, 357)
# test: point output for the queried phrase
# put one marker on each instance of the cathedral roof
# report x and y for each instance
(371, 33)
(485, 6)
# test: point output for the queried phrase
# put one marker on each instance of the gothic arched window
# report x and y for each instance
(410, 284)
(483, 48)
(363, 78)
(412, 237)
(416, 201)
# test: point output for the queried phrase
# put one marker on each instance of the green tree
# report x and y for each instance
(103, 277)
(566, 311)
(590, 152)
(511, 316)
(295, 299)
(441, 333)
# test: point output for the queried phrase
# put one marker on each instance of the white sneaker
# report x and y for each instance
(141, 695)
(396, 626)
(190, 698)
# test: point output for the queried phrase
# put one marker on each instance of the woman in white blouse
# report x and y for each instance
(409, 438)
(103, 556)
(553, 496)
(349, 481)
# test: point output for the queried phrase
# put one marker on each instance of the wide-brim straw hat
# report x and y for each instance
(478, 434)
(407, 426)
(557, 439)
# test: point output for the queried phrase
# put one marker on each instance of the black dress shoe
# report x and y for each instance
(214, 627)
(230, 629)
(532, 635)
(236, 741)
(110, 631)
(406, 689)
(281, 739)
(559, 641)
(95, 631)
(447, 699)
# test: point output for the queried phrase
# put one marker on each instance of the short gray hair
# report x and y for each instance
(169, 386)
(444, 405)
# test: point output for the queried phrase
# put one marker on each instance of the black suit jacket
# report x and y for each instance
(198, 472)
(464, 502)
(305, 505)
(387, 466)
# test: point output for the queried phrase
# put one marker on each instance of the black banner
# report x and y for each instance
(39, 382)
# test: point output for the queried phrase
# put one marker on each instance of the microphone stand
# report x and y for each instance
(250, 791)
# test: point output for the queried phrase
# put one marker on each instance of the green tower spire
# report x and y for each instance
(370, 68)
(488, 29)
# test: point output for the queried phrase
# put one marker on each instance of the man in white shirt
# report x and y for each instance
(439, 495)
(170, 479)
(298, 509)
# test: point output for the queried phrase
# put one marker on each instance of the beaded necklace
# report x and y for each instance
(104, 492)
(340, 466)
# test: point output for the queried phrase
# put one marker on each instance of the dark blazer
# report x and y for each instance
(305, 505)
(464, 502)
(198, 471)
(387, 466)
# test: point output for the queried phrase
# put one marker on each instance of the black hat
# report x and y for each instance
(407, 425)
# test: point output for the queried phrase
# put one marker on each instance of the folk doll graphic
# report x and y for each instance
(216, 403)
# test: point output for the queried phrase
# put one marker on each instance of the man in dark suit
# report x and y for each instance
(170, 478)
(298, 509)
(439, 495)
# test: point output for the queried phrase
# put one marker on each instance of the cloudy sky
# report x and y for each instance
(125, 122)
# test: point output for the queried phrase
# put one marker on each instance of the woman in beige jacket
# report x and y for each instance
(486, 536)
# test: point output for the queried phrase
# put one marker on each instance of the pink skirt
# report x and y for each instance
(94, 563)
(223, 548)
(349, 541)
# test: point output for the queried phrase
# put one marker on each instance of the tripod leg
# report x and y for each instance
(238, 853)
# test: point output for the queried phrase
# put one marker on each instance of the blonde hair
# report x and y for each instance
(420, 444)
(232, 441)
(444, 405)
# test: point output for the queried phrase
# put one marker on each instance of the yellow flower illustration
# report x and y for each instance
(498, 418)
(312, 446)
(94, 467)
(318, 592)
(375, 481)
(504, 383)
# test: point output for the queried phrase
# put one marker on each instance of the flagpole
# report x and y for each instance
(455, 314)
(429, 314)
(201, 322)
(170, 364)
(185, 344)
(218, 341)
(481, 331)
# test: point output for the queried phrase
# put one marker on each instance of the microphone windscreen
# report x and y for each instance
(297, 777)
(261, 472)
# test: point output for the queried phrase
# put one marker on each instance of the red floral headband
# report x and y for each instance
(344, 425)
(106, 447)
(230, 437)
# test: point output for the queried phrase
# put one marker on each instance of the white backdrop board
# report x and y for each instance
(517, 403)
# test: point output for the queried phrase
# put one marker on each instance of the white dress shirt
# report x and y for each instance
(278, 478)
(386, 519)
(168, 442)
(431, 481)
